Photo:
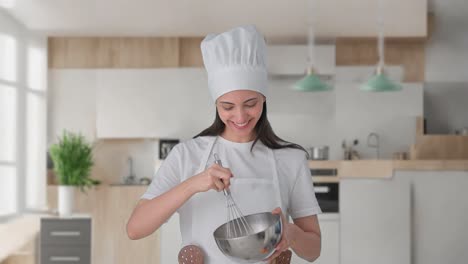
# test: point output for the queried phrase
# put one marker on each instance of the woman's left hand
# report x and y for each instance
(284, 244)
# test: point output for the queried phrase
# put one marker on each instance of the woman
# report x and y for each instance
(263, 172)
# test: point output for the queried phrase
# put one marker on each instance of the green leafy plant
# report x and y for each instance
(73, 159)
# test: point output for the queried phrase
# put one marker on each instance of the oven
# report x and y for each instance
(327, 192)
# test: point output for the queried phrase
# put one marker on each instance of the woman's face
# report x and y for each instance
(240, 111)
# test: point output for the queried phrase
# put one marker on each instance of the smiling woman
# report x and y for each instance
(262, 172)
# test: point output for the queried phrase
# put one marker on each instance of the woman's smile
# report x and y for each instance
(242, 125)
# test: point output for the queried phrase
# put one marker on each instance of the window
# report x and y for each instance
(8, 54)
(8, 126)
(23, 98)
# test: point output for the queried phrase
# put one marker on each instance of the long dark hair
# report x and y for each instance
(263, 132)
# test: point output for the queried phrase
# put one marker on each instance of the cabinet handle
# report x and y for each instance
(64, 258)
(322, 189)
(65, 233)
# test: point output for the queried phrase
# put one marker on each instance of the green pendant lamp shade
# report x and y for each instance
(311, 83)
(380, 83)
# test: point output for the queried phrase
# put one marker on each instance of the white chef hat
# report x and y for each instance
(235, 60)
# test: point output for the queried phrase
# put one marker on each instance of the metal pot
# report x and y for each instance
(318, 153)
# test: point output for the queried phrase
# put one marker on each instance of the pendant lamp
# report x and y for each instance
(379, 82)
(311, 82)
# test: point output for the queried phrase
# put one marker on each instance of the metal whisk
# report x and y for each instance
(237, 224)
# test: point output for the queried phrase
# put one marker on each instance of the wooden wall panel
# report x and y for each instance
(440, 147)
(410, 53)
(190, 53)
(72, 52)
(154, 52)
(113, 52)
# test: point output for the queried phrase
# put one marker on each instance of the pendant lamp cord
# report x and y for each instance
(310, 35)
(380, 22)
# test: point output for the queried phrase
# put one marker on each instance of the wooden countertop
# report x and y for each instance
(17, 233)
(383, 168)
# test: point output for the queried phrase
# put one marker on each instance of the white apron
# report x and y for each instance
(208, 209)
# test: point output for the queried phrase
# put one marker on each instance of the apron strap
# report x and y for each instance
(201, 167)
(276, 184)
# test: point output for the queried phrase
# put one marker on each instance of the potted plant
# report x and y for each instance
(73, 160)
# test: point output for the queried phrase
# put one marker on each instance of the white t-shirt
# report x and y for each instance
(294, 178)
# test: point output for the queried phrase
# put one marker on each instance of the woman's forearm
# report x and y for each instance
(306, 245)
(148, 216)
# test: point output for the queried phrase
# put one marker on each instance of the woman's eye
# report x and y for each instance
(250, 106)
(227, 109)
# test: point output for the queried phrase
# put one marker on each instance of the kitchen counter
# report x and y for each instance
(384, 168)
(110, 207)
(18, 233)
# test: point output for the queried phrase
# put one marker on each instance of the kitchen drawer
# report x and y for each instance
(65, 255)
(65, 231)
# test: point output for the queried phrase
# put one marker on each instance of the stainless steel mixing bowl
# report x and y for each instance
(254, 247)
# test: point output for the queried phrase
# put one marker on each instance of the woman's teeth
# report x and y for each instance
(241, 125)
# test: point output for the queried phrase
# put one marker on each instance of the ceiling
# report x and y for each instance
(275, 18)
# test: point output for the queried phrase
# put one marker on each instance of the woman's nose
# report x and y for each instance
(240, 115)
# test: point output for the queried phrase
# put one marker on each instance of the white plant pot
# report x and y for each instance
(66, 200)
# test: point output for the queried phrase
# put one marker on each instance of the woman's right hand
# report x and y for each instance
(215, 177)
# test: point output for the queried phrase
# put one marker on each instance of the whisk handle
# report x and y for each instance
(218, 161)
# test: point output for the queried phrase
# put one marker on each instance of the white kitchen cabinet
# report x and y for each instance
(330, 230)
(152, 103)
(375, 221)
(439, 215)
(72, 102)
